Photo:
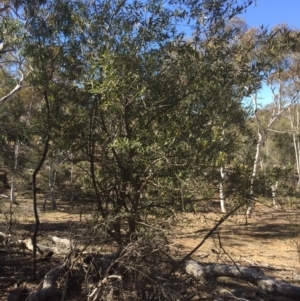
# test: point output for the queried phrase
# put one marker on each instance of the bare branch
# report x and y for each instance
(17, 88)
(6, 7)
(11, 94)
(283, 132)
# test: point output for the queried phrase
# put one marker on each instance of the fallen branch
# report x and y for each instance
(94, 295)
(3, 235)
(266, 284)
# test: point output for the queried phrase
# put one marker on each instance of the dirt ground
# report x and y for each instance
(268, 242)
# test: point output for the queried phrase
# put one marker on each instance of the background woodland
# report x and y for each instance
(143, 110)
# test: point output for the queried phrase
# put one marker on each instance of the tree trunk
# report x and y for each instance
(36, 216)
(221, 189)
(71, 180)
(52, 184)
(12, 186)
(296, 143)
(274, 189)
(260, 142)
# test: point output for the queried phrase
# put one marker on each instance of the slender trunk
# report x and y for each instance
(261, 140)
(52, 184)
(36, 216)
(72, 170)
(221, 189)
(34, 175)
(12, 185)
(297, 150)
(296, 143)
(91, 153)
(274, 189)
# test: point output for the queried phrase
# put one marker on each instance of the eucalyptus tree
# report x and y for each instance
(13, 64)
(40, 51)
(285, 86)
(275, 53)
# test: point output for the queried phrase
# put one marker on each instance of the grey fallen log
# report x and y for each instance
(40, 249)
(264, 283)
(62, 242)
(48, 290)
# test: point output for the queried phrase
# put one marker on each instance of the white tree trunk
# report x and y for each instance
(12, 186)
(221, 189)
(295, 129)
(274, 190)
(296, 148)
(260, 143)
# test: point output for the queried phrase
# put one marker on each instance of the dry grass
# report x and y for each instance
(269, 242)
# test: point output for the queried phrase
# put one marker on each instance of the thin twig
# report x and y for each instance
(209, 234)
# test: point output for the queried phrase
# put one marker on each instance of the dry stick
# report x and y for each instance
(225, 252)
(66, 286)
(209, 234)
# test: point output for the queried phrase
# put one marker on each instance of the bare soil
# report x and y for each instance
(268, 242)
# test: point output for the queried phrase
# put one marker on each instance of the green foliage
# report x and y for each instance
(142, 110)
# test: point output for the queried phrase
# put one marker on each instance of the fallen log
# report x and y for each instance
(48, 290)
(8, 240)
(62, 242)
(4, 236)
(266, 284)
(40, 249)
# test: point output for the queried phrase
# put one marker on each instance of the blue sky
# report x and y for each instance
(270, 13)
(273, 12)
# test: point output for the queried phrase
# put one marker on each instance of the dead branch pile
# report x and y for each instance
(138, 270)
